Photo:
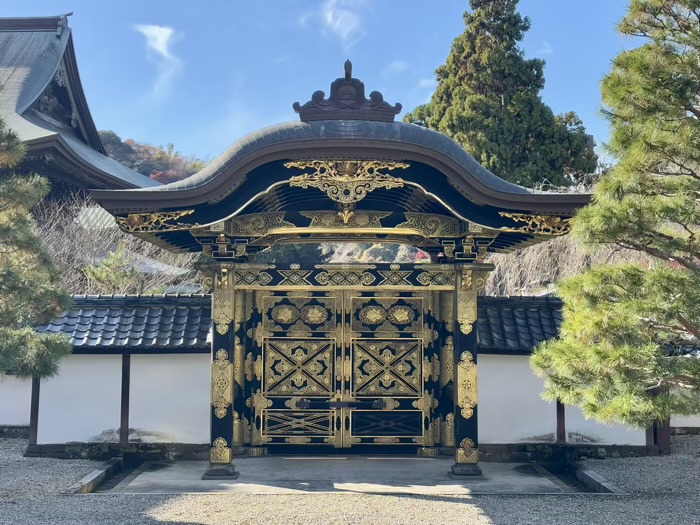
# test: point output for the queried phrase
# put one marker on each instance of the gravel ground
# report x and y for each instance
(663, 490)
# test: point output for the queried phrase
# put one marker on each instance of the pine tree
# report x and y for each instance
(116, 273)
(488, 100)
(626, 347)
(30, 289)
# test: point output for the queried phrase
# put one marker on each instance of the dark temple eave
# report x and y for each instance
(342, 139)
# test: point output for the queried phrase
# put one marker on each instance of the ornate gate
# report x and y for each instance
(344, 367)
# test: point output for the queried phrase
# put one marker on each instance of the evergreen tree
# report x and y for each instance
(116, 273)
(630, 331)
(487, 99)
(30, 289)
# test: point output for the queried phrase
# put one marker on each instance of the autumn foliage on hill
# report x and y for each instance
(162, 164)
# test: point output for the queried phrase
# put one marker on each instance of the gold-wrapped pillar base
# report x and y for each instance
(220, 466)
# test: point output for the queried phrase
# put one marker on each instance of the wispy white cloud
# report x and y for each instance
(545, 49)
(394, 68)
(159, 42)
(339, 18)
(427, 83)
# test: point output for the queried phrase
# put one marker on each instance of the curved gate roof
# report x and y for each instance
(346, 158)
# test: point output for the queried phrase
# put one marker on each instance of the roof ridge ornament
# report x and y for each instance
(347, 101)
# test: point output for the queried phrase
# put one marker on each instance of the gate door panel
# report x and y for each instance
(385, 343)
(300, 352)
(345, 367)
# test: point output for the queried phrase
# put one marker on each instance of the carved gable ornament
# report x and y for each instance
(347, 102)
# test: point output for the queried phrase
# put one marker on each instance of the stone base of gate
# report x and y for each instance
(463, 470)
(221, 472)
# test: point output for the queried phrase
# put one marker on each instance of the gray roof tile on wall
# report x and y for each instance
(136, 322)
(182, 322)
(167, 323)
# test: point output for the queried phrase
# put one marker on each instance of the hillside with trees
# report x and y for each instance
(162, 164)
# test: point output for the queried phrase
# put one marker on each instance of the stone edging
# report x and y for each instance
(94, 479)
(593, 480)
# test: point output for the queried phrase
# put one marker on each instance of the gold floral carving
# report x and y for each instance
(472, 282)
(426, 403)
(220, 453)
(346, 218)
(222, 305)
(221, 384)
(238, 430)
(435, 372)
(553, 225)
(346, 181)
(466, 310)
(386, 440)
(448, 431)
(258, 401)
(466, 385)
(297, 440)
(256, 224)
(431, 225)
(152, 222)
(467, 452)
(447, 355)
(239, 362)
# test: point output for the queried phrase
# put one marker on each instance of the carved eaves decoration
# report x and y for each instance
(346, 181)
(154, 222)
(551, 225)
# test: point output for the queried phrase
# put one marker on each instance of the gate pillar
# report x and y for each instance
(222, 379)
(465, 393)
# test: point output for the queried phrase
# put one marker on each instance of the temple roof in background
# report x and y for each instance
(43, 102)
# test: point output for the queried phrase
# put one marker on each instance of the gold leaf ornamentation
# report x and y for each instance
(466, 310)
(467, 394)
(151, 222)
(386, 440)
(222, 321)
(431, 225)
(345, 219)
(447, 354)
(448, 431)
(467, 452)
(552, 225)
(220, 453)
(256, 224)
(221, 383)
(346, 181)
(238, 430)
(297, 440)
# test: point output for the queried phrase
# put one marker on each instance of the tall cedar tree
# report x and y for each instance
(622, 322)
(487, 99)
(30, 288)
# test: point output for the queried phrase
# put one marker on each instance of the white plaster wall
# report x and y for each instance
(510, 407)
(82, 402)
(170, 398)
(676, 421)
(15, 400)
(589, 431)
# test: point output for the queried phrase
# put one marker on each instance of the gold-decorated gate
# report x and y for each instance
(345, 367)
(345, 356)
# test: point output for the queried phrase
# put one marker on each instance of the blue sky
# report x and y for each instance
(203, 74)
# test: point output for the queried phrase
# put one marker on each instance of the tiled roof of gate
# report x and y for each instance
(136, 322)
